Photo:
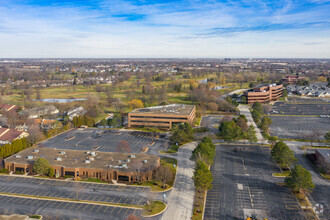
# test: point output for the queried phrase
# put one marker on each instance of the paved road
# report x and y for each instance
(244, 110)
(243, 184)
(181, 199)
(321, 192)
(232, 93)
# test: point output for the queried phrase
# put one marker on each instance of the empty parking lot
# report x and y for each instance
(74, 190)
(105, 140)
(243, 184)
(301, 107)
(63, 210)
(299, 127)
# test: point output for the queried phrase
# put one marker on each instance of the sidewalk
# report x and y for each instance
(244, 110)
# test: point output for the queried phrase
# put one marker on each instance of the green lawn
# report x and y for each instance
(154, 208)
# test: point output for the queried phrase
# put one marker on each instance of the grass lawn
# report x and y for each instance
(199, 200)
(284, 174)
(154, 208)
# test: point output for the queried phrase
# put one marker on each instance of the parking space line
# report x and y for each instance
(92, 208)
(79, 206)
(66, 205)
(105, 210)
(113, 209)
(60, 204)
(86, 206)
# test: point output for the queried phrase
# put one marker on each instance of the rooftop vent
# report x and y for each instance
(58, 159)
(29, 157)
(87, 161)
(36, 150)
(18, 156)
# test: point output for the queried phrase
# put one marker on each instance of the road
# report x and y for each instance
(244, 110)
(321, 193)
(232, 93)
(181, 199)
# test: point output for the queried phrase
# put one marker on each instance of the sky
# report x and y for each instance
(164, 29)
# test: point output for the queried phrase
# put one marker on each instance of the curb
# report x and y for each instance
(67, 200)
(149, 216)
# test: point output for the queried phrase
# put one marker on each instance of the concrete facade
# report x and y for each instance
(264, 93)
(162, 116)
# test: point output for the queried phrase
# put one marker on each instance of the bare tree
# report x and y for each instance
(164, 175)
(35, 134)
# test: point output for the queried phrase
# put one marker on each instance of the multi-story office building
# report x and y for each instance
(162, 116)
(264, 93)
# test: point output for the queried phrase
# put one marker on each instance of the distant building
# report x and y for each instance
(292, 80)
(40, 111)
(8, 135)
(7, 108)
(107, 166)
(77, 111)
(162, 116)
(323, 159)
(264, 93)
(313, 90)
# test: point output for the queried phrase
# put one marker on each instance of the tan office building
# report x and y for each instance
(106, 166)
(264, 93)
(162, 116)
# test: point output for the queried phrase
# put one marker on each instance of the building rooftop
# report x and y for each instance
(123, 162)
(7, 134)
(179, 109)
(325, 154)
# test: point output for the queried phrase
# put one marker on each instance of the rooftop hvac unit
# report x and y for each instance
(124, 165)
(132, 156)
(93, 153)
(62, 152)
(18, 156)
(145, 161)
(29, 157)
(36, 150)
(128, 160)
(91, 159)
(119, 161)
(88, 152)
(87, 161)
(59, 159)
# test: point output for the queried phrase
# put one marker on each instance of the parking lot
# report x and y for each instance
(243, 185)
(63, 210)
(299, 127)
(105, 140)
(74, 190)
(301, 108)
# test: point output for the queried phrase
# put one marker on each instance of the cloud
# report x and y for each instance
(113, 28)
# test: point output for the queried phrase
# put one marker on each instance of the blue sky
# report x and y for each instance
(141, 28)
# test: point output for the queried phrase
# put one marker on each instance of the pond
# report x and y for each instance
(59, 100)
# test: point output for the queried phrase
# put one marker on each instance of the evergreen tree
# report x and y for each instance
(299, 178)
(202, 177)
